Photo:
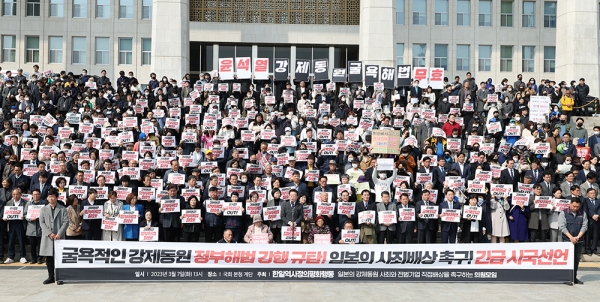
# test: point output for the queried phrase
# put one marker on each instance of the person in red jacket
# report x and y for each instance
(450, 125)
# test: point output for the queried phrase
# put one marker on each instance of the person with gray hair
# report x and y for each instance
(16, 228)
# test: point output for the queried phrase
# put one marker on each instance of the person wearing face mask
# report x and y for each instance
(411, 164)
(579, 131)
(382, 181)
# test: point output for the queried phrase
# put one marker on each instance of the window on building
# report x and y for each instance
(9, 48)
(206, 59)
(102, 51)
(79, 8)
(9, 8)
(79, 46)
(419, 52)
(57, 8)
(528, 58)
(400, 53)
(55, 50)
(420, 12)
(506, 14)
(125, 9)
(400, 12)
(146, 51)
(441, 56)
(463, 13)
(485, 58)
(549, 57)
(462, 57)
(32, 49)
(550, 14)
(147, 9)
(340, 57)
(103, 9)
(125, 51)
(441, 12)
(33, 8)
(506, 54)
(485, 13)
(528, 14)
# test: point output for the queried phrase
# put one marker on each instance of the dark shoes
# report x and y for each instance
(49, 280)
(578, 282)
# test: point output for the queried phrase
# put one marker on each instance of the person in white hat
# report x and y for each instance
(257, 227)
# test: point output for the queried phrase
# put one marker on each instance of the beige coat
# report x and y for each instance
(56, 224)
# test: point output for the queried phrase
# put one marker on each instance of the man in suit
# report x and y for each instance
(18, 179)
(569, 147)
(292, 212)
(54, 222)
(427, 228)
(537, 174)
(300, 187)
(171, 222)
(591, 208)
(213, 222)
(33, 158)
(415, 91)
(426, 166)
(481, 161)
(367, 230)
(566, 185)
(78, 180)
(547, 185)
(16, 229)
(92, 228)
(510, 175)
(439, 174)
(404, 229)
(449, 229)
(88, 146)
(463, 168)
(14, 148)
(35, 178)
(590, 183)
(386, 230)
(583, 172)
(538, 221)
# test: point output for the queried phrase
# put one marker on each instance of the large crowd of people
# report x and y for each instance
(258, 157)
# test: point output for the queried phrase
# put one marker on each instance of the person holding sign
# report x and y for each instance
(382, 181)
(233, 222)
(499, 207)
(449, 229)
(34, 231)
(92, 228)
(74, 231)
(591, 207)
(319, 228)
(213, 222)
(405, 228)
(387, 228)
(54, 222)
(292, 212)
(538, 221)
(131, 232)
(191, 231)
(16, 227)
(517, 222)
(112, 207)
(257, 227)
(472, 228)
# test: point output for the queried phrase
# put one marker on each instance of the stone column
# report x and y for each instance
(377, 32)
(577, 42)
(170, 38)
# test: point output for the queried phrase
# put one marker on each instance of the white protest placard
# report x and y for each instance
(214, 206)
(346, 208)
(93, 212)
(128, 217)
(543, 202)
(451, 215)
(291, 233)
(272, 213)
(385, 164)
(423, 178)
(539, 106)
(473, 213)
(176, 178)
(13, 213)
(260, 238)
(561, 204)
(387, 217)
(366, 217)
(512, 131)
(350, 236)
(322, 238)
(325, 208)
(33, 211)
(232, 209)
(429, 212)
(476, 187)
(149, 234)
(406, 214)
(191, 216)
(110, 224)
(520, 199)
(501, 190)
(170, 205)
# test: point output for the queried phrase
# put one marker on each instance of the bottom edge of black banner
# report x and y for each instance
(82, 275)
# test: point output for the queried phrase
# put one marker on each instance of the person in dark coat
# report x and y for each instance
(517, 222)
(473, 230)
